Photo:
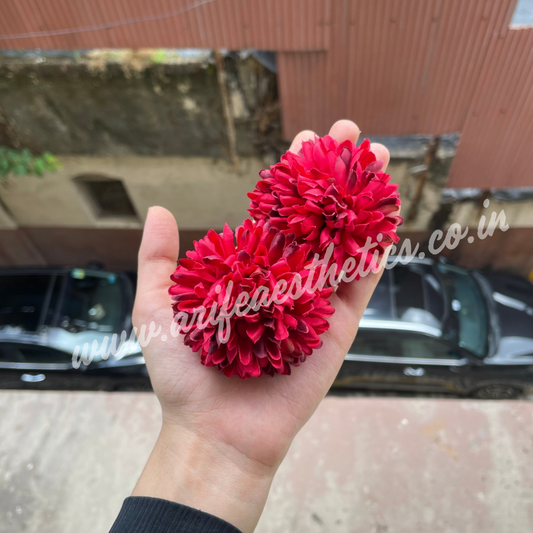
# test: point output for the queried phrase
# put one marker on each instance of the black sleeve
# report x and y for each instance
(152, 515)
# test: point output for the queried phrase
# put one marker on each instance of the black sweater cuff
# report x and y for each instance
(153, 515)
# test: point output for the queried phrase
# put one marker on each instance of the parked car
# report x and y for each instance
(429, 327)
(46, 312)
(433, 326)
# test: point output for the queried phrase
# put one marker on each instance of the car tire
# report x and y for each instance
(497, 391)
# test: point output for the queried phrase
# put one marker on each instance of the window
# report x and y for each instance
(108, 196)
(469, 309)
(422, 347)
(93, 301)
(523, 14)
(381, 304)
(408, 288)
(419, 294)
(22, 298)
(401, 345)
(378, 343)
(13, 353)
(50, 316)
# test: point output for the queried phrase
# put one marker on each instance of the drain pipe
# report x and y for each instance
(228, 117)
(423, 175)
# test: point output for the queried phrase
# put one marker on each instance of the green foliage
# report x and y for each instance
(24, 163)
(159, 56)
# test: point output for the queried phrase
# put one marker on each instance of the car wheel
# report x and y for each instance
(497, 392)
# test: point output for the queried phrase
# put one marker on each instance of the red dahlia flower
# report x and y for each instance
(269, 338)
(330, 193)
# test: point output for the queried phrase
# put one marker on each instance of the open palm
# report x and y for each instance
(259, 417)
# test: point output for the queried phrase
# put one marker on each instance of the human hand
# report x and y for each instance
(223, 439)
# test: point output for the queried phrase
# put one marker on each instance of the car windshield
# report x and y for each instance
(467, 308)
(92, 301)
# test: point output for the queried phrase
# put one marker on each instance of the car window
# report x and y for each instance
(419, 295)
(13, 353)
(92, 301)
(401, 345)
(375, 343)
(409, 289)
(469, 309)
(22, 298)
(51, 314)
(381, 304)
(423, 347)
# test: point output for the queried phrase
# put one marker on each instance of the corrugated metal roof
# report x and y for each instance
(303, 86)
(396, 66)
(231, 24)
(496, 147)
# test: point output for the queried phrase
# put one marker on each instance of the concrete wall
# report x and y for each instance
(201, 192)
(111, 104)
(517, 214)
(50, 221)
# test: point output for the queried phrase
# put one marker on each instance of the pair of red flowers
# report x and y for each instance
(328, 192)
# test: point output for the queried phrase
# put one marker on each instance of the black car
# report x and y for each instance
(430, 326)
(433, 326)
(46, 312)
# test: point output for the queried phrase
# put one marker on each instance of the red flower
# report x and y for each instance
(270, 338)
(330, 193)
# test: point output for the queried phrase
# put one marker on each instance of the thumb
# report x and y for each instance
(158, 256)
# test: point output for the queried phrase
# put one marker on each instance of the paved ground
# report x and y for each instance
(364, 465)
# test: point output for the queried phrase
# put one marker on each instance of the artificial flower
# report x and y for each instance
(269, 338)
(330, 192)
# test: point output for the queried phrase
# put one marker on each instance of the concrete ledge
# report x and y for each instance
(391, 465)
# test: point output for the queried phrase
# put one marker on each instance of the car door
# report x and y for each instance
(36, 367)
(372, 362)
(434, 364)
(400, 360)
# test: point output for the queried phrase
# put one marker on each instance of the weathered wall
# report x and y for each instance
(201, 192)
(18, 249)
(160, 129)
(56, 224)
(100, 105)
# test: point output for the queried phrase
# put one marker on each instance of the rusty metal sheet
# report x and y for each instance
(496, 146)
(396, 66)
(231, 24)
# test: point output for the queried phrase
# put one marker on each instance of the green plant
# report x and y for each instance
(24, 163)
(159, 56)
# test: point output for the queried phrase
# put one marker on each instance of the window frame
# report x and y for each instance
(94, 206)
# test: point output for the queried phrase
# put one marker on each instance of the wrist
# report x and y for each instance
(208, 475)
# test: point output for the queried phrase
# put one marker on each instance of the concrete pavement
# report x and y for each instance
(67, 460)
